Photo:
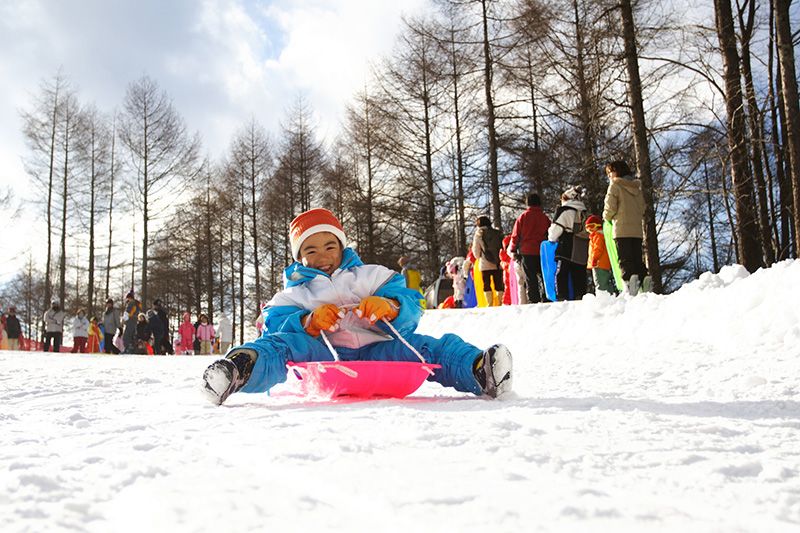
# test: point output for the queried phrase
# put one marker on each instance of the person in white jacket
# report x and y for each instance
(567, 220)
(225, 332)
(80, 332)
(53, 327)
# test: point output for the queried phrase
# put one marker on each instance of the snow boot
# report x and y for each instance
(633, 285)
(493, 371)
(647, 284)
(226, 376)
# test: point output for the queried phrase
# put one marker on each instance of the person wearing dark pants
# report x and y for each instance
(624, 206)
(110, 326)
(530, 229)
(53, 327)
(570, 280)
(532, 267)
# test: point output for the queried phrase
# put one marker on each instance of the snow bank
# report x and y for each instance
(654, 413)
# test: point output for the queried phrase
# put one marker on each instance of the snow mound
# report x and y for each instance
(653, 413)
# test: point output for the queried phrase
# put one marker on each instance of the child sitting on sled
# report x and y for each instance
(328, 289)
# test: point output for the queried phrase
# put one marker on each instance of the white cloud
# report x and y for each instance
(222, 61)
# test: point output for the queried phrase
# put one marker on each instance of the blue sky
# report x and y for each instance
(221, 61)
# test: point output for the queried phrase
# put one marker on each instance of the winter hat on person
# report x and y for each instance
(593, 222)
(573, 193)
(129, 295)
(311, 222)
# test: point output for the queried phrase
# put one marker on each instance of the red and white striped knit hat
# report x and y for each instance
(314, 221)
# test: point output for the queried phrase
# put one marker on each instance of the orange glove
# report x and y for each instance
(324, 317)
(374, 308)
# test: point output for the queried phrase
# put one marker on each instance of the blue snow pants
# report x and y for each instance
(275, 350)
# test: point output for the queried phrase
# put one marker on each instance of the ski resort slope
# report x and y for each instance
(654, 413)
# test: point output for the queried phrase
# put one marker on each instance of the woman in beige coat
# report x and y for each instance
(624, 206)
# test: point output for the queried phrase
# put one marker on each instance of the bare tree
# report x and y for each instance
(746, 227)
(791, 106)
(640, 143)
(162, 154)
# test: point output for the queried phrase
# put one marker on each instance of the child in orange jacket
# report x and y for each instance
(599, 262)
(93, 345)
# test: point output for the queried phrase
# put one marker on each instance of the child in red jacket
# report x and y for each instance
(599, 262)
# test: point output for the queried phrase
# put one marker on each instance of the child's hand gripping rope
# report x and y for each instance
(375, 308)
(324, 317)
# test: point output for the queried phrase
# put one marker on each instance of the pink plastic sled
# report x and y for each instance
(362, 379)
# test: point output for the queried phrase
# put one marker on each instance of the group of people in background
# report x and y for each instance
(128, 330)
(581, 246)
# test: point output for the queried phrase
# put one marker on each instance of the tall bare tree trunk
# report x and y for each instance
(587, 172)
(461, 226)
(494, 176)
(746, 227)
(111, 203)
(756, 133)
(640, 143)
(791, 105)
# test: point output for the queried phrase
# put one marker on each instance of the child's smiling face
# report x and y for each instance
(322, 251)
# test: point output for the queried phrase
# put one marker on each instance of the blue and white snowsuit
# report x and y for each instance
(284, 338)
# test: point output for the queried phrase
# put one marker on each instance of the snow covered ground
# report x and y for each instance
(676, 413)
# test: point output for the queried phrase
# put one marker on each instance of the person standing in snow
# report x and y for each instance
(530, 229)
(187, 334)
(599, 262)
(505, 264)
(455, 270)
(158, 328)
(572, 252)
(225, 333)
(93, 342)
(80, 332)
(165, 346)
(53, 327)
(13, 329)
(132, 310)
(110, 326)
(329, 290)
(205, 334)
(486, 244)
(624, 206)
(411, 274)
(143, 335)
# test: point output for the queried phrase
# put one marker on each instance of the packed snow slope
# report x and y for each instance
(654, 413)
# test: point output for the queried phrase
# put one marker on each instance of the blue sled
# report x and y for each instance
(547, 252)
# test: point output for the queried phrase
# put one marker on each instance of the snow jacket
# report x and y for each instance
(111, 320)
(530, 229)
(143, 332)
(157, 326)
(598, 253)
(80, 326)
(13, 329)
(54, 321)
(225, 329)
(624, 205)
(307, 288)
(186, 332)
(565, 220)
(205, 332)
(455, 270)
(488, 258)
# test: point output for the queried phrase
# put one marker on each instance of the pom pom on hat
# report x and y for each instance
(311, 222)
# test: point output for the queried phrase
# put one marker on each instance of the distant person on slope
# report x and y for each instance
(13, 329)
(572, 252)
(328, 289)
(624, 206)
(486, 244)
(599, 263)
(530, 229)
(53, 327)
(187, 334)
(80, 332)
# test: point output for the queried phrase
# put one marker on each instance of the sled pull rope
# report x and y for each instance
(329, 345)
(404, 341)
